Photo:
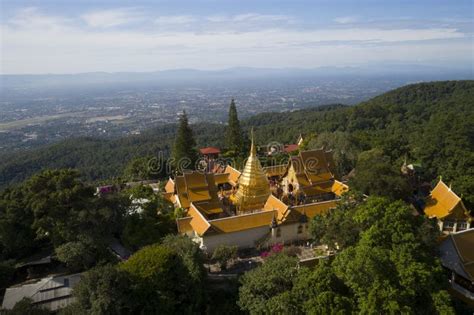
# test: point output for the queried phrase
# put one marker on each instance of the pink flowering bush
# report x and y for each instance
(275, 249)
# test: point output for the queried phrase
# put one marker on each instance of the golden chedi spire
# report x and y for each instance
(254, 189)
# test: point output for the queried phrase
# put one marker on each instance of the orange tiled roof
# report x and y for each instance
(182, 193)
(313, 209)
(275, 170)
(195, 180)
(210, 150)
(273, 203)
(221, 178)
(243, 222)
(443, 202)
(208, 208)
(312, 166)
(233, 175)
(196, 187)
(339, 188)
(169, 196)
(290, 148)
(199, 224)
(184, 225)
(169, 187)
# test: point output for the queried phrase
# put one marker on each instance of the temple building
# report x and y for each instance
(255, 207)
(457, 256)
(444, 205)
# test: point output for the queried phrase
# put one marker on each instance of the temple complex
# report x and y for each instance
(256, 206)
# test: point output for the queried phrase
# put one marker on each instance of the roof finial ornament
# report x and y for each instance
(450, 185)
(253, 150)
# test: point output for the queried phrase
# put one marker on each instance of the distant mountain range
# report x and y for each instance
(186, 76)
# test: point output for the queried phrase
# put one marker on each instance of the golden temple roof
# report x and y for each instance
(253, 184)
(313, 166)
(443, 202)
(313, 209)
(242, 222)
(273, 203)
(275, 170)
(233, 175)
(195, 187)
(198, 222)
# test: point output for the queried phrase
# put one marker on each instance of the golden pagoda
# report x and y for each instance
(254, 189)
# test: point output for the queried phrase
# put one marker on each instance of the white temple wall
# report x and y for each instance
(289, 233)
(242, 239)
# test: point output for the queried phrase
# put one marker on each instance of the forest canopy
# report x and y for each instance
(428, 124)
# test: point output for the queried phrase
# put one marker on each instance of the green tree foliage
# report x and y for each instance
(192, 259)
(336, 228)
(103, 290)
(184, 149)
(7, 270)
(26, 307)
(224, 254)
(267, 289)
(160, 281)
(63, 206)
(147, 222)
(17, 238)
(345, 149)
(143, 168)
(76, 255)
(57, 208)
(320, 291)
(234, 139)
(376, 175)
(428, 122)
(392, 269)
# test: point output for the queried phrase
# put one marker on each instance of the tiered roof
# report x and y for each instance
(313, 166)
(194, 187)
(443, 203)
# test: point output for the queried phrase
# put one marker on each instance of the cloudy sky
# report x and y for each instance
(108, 35)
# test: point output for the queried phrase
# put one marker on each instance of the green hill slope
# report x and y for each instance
(429, 123)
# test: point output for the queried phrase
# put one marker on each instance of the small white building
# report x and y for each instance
(52, 293)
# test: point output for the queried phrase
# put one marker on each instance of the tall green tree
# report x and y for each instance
(234, 139)
(392, 269)
(184, 149)
(377, 175)
(267, 289)
(103, 290)
(162, 283)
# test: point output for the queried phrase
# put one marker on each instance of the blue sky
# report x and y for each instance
(86, 36)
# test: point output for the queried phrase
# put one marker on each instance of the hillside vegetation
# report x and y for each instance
(429, 124)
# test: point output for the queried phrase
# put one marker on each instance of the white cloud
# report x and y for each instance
(346, 19)
(175, 19)
(77, 49)
(255, 17)
(32, 18)
(249, 17)
(113, 17)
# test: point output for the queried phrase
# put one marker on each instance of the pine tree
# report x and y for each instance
(234, 140)
(184, 152)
